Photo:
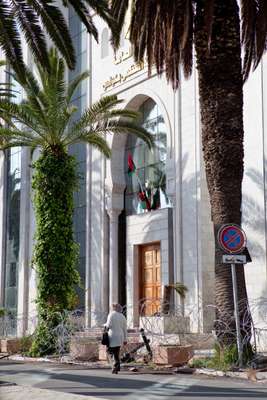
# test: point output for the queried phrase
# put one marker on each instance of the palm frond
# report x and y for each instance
(118, 10)
(248, 18)
(16, 134)
(43, 119)
(96, 111)
(94, 139)
(53, 82)
(162, 31)
(20, 113)
(84, 15)
(100, 7)
(99, 143)
(28, 23)
(88, 119)
(124, 127)
(6, 91)
(55, 24)
(10, 38)
(260, 32)
(29, 82)
(180, 288)
(106, 103)
(15, 143)
(75, 84)
(187, 45)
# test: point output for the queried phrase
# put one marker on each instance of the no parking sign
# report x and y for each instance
(232, 239)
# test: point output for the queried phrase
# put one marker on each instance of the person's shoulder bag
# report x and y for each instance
(105, 338)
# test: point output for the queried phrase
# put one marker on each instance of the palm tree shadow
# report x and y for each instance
(253, 215)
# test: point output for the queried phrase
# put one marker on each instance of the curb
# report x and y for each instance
(251, 374)
(58, 361)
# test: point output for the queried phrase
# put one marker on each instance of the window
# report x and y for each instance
(105, 43)
(12, 228)
(79, 36)
(146, 185)
(12, 245)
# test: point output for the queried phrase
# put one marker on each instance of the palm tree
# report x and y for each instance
(164, 32)
(31, 16)
(44, 121)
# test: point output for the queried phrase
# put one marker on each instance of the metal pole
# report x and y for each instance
(237, 319)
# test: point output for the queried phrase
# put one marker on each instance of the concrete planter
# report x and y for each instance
(172, 354)
(102, 353)
(83, 349)
(10, 346)
(124, 349)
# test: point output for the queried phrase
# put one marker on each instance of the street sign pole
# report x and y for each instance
(237, 319)
(232, 240)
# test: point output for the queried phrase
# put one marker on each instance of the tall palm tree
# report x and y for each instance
(31, 16)
(44, 121)
(164, 32)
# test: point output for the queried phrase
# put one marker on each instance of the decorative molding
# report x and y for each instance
(114, 187)
(114, 215)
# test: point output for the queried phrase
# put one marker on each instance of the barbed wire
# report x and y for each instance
(163, 323)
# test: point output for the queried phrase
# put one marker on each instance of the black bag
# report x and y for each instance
(105, 338)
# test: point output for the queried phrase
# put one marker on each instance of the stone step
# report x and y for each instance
(199, 341)
(96, 334)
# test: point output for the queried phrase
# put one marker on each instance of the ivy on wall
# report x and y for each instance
(56, 252)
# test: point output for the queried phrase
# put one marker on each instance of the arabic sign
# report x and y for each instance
(120, 78)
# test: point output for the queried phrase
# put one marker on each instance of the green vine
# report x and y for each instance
(56, 252)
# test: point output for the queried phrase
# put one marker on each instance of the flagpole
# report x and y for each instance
(140, 183)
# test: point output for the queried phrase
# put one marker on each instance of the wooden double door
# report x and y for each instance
(150, 279)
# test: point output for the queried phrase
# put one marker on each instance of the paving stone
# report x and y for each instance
(26, 392)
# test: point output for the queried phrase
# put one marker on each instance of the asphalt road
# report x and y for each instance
(102, 384)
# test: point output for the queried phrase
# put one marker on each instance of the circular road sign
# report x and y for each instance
(231, 238)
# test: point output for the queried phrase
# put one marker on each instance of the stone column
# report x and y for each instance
(113, 256)
(105, 266)
(2, 225)
(88, 237)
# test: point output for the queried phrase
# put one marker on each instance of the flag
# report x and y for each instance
(156, 200)
(145, 203)
(131, 164)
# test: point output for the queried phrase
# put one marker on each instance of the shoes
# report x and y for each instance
(114, 371)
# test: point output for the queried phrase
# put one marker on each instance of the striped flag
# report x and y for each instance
(145, 203)
(131, 164)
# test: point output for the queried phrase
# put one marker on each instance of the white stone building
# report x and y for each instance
(126, 253)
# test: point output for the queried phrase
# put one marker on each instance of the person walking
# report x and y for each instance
(117, 332)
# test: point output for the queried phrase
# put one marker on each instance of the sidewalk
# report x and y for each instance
(14, 392)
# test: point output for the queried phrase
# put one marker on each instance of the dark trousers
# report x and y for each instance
(115, 353)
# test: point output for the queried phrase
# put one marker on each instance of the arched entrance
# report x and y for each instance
(137, 201)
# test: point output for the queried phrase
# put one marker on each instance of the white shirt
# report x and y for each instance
(117, 332)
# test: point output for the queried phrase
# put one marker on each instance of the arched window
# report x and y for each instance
(146, 169)
(105, 43)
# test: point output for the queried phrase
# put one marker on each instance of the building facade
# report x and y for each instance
(132, 247)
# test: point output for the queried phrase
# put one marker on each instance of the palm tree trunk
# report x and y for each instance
(55, 251)
(221, 105)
